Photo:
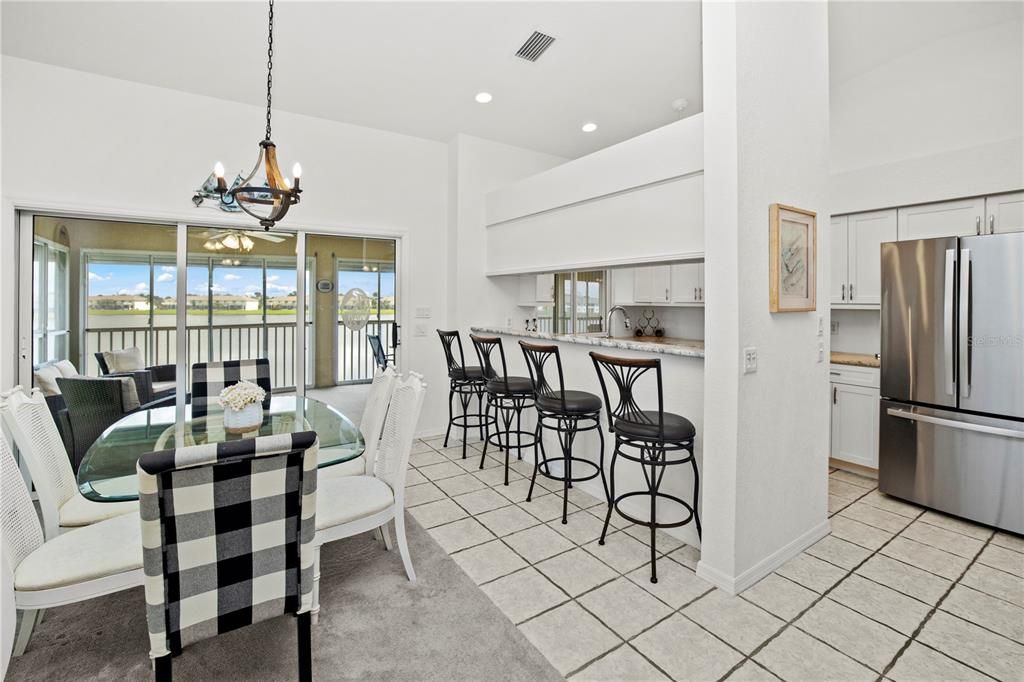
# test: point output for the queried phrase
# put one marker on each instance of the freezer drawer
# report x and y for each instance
(963, 465)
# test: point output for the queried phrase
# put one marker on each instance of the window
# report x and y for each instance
(580, 305)
(50, 306)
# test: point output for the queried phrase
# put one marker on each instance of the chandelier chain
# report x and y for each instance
(270, 64)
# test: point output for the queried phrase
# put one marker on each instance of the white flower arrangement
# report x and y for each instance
(241, 395)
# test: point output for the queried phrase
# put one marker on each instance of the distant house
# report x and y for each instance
(119, 302)
(282, 302)
(223, 302)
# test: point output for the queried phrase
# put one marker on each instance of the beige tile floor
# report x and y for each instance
(896, 592)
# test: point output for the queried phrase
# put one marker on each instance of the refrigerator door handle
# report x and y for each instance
(965, 323)
(954, 424)
(948, 336)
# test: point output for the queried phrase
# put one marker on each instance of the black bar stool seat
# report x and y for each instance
(466, 382)
(508, 396)
(567, 413)
(655, 439)
(569, 402)
(676, 427)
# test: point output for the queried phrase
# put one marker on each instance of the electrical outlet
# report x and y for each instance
(835, 326)
(421, 330)
(749, 360)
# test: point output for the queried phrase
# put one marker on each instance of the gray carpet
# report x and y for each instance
(374, 625)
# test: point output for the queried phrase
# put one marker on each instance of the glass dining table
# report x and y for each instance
(107, 472)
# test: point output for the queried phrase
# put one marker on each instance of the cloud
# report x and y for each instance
(277, 287)
(231, 278)
(168, 268)
(165, 277)
(273, 278)
(141, 287)
(95, 277)
(123, 292)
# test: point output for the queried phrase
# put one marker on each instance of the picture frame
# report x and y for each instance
(793, 259)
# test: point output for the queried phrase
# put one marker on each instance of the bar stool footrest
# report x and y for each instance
(656, 524)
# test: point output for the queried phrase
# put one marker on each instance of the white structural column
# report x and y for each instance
(766, 434)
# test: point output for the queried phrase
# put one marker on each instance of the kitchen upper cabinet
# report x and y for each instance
(546, 288)
(652, 284)
(840, 260)
(856, 277)
(855, 424)
(1004, 213)
(960, 218)
(688, 283)
(867, 231)
(622, 286)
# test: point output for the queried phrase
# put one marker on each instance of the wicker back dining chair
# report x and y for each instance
(210, 378)
(62, 504)
(88, 562)
(377, 401)
(227, 540)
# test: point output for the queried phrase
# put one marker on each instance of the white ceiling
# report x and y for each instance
(409, 67)
(866, 35)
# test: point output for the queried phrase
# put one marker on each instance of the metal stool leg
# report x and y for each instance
(537, 457)
(654, 529)
(487, 431)
(451, 414)
(696, 492)
(611, 492)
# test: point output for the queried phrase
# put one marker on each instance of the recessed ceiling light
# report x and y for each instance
(589, 127)
(483, 97)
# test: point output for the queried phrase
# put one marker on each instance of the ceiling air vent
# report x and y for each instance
(535, 46)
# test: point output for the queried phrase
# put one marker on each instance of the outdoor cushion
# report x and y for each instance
(66, 369)
(129, 393)
(124, 360)
(102, 549)
(343, 499)
(79, 511)
(46, 380)
(163, 386)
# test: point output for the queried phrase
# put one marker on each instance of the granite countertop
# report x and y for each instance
(855, 359)
(666, 345)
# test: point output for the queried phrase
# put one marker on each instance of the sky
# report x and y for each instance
(128, 278)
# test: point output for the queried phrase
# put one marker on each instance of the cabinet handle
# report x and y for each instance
(844, 292)
(992, 224)
(695, 297)
(834, 395)
(977, 224)
(851, 291)
(701, 290)
(666, 294)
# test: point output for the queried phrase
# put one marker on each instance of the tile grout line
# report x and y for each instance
(920, 627)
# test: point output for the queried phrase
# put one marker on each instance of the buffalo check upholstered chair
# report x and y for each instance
(349, 505)
(227, 540)
(210, 378)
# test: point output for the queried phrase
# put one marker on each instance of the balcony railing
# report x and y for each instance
(357, 363)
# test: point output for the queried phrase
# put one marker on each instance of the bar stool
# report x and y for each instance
(465, 382)
(509, 396)
(567, 413)
(658, 436)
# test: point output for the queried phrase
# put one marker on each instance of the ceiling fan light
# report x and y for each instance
(230, 241)
(247, 244)
(210, 245)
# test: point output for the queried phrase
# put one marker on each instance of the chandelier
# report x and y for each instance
(264, 194)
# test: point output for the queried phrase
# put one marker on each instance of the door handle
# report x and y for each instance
(992, 224)
(395, 340)
(701, 290)
(965, 323)
(953, 424)
(948, 337)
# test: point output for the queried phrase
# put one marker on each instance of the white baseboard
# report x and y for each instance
(749, 577)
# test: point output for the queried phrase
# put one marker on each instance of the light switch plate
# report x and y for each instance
(749, 360)
(423, 312)
(821, 351)
(835, 326)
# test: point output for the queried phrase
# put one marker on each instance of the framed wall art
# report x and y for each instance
(793, 253)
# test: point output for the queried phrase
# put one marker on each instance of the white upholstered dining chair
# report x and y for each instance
(83, 563)
(29, 420)
(349, 505)
(370, 426)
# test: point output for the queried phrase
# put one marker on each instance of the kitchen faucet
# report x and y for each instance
(608, 321)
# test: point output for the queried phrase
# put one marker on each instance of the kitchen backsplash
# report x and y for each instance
(680, 323)
(859, 331)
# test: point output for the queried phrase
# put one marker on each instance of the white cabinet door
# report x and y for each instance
(661, 283)
(686, 282)
(960, 218)
(839, 260)
(643, 285)
(855, 424)
(700, 283)
(1004, 213)
(622, 286)
(545, 288)
(867, 231)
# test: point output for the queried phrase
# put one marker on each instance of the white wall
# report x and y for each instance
(477, 167)
(120, 148)
(859, 331)
(766, 434)
(942, 121)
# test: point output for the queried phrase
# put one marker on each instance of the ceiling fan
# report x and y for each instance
(237, 240)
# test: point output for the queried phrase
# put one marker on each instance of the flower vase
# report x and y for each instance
(244, 420)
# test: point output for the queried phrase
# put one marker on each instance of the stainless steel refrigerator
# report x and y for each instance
(951, 431)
